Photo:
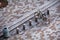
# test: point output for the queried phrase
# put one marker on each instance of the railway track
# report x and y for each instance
(31, 14)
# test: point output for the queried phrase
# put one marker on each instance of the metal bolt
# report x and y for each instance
(17, 31)
(36, 19)
(47, 12)
(23, 26)
(30, 24)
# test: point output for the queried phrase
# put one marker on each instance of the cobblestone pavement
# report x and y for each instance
(17, 10)
(43, 32)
